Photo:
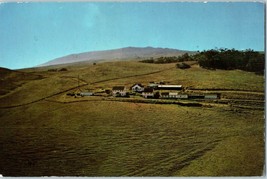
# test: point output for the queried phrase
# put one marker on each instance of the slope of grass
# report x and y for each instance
(111, 138)
(194, 77)
(225, 159)
(10, 80)
(37, 89)
(125, 139)
(130, 72)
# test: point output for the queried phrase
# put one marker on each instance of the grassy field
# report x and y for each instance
(41, 136)
(132, 72)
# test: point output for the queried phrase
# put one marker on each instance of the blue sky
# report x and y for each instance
(34, 33)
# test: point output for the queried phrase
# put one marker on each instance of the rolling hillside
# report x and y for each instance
(45, 132)
(11, 79)
(117, 54)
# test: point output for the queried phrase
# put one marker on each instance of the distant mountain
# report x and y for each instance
(117, 54)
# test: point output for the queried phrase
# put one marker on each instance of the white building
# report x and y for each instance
(211, 96)
(169, 87)
(138, 88)
(173, 95)
(119, 91)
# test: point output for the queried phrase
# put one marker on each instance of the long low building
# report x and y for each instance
(170, 95)
(86, 93)
(174, 95)
(212, 96)
(170, 87)
(204, 96)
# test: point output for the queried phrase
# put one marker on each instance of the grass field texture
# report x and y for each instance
(127, 139)
(41, 136)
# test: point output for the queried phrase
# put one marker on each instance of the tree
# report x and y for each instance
(229, 59)
(184, 57)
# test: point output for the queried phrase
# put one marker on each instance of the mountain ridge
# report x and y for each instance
(116, 54)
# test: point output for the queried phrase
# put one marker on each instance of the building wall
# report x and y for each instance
(210, 96)
(146, 95)
(137, 88)
(116, 91)
(86, 94)
(175, 96)
(120, 92)
(182, 96)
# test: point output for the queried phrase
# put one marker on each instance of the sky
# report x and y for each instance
(34, 33)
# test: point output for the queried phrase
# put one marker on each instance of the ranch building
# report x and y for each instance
(138, 88)
(86, 94)
(196, 96)
(148, 93)
(212, 96)
(118, 91)
(169, 87)
(153, 85)
(171, 95)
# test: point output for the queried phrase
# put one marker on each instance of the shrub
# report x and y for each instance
(182, 65)
(63, 69)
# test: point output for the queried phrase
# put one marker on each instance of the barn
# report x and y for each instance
(118, 91)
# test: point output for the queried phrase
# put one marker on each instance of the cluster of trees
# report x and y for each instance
(226, 59)
(229, 59)
(173, 59)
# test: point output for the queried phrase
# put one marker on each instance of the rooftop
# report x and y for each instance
(148, 90)
(139, 84)
(118, 88)
(170, 86)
